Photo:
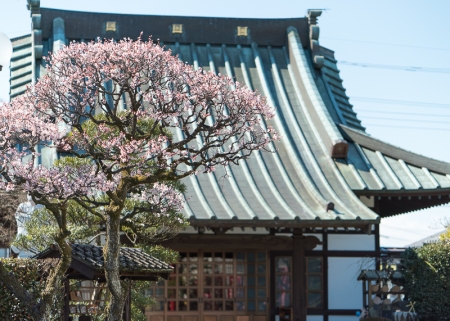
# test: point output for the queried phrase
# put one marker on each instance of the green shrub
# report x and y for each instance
(427, 277)
(31, 274)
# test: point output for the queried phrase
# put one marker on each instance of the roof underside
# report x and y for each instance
(296, 185)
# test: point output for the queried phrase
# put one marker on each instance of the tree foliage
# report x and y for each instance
(427, 279)
(446, 235)
(32, 275)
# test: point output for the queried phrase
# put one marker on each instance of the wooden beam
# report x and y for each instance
(229, 242)
(278, 224)
(298, 279)
(344, 253)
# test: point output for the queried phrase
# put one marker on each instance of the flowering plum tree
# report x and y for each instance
(133, 118)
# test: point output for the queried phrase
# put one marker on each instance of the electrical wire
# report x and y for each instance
(411, 120)
(386, 44)
(406, 127)
(395, 67)
(369, 111)
(400, 102)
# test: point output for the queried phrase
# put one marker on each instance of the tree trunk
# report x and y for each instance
(112, 268)
(39, 310)
(16, 288)
(56, 278)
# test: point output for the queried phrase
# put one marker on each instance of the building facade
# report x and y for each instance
(286, 231)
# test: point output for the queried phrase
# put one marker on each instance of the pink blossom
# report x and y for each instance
(175, 117)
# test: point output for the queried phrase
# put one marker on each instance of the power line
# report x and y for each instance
(386, 44)
(407, 127)
(411, 120)
(395, 67)
(363, 111)
(400, 102)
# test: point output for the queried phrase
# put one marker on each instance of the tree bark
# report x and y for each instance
(112, 268)
(56, 278)
(40, 308)
(15, 287)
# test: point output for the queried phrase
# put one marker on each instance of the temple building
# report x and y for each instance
(286, 231)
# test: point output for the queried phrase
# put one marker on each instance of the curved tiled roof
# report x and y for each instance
(325, 156)
(376, 165)
(298, 182)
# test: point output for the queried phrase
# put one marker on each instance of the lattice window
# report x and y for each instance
(215, 281)
(314, 282)
(283, 281)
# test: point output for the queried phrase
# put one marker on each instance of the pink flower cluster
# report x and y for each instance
(161, 198)
(132, 109)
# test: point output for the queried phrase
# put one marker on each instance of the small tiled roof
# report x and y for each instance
(131, 259)
(376, 275)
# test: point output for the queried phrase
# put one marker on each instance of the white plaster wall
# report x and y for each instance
(344, 290)
(343, 318)
(314, 318)
(48, 156)
(4, 252)
(345, 242)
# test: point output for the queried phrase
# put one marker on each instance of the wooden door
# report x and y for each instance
(214, 286)
(281, 282)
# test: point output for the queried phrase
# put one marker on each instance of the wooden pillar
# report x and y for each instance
(325, 272)
(300, 245)
(298, 279)
(127, 309)
(66, 299)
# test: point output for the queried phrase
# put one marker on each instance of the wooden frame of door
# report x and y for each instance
(231, 282)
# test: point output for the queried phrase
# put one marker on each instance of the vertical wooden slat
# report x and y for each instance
(66, 299)
(156, 318)
(298, 282)
(228, 318)
(209, 318)
(190, 318)
(174, 318)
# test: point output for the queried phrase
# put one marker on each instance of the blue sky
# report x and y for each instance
(377, 42)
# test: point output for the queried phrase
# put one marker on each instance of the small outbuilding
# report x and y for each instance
(88, 295)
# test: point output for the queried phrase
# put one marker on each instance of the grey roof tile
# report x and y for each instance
(397, 168)
(131, 259)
